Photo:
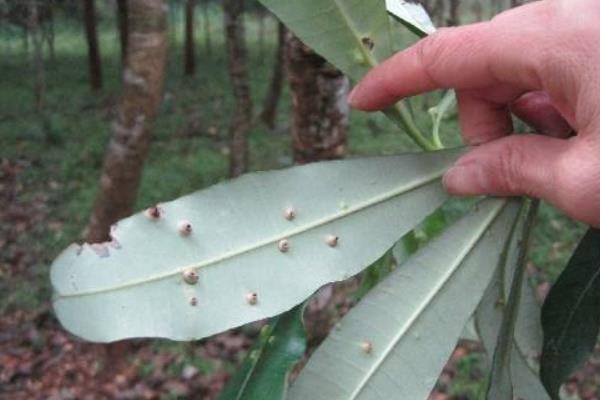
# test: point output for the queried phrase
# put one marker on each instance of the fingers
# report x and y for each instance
(536, 110)
(484, 114)
(564, 172)
(512, 166)
(470, 57)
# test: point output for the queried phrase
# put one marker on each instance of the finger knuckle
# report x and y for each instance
(511, 160)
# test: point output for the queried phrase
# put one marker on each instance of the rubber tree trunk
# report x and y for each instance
(454, 19)
(320, 116)
(123, 27)
(238, 73)
(91, 34)
(271, 102)
(438, 12)
(189, 53)
(320, 111)
(143, 77)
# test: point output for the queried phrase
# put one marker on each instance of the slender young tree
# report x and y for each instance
(33, 25)
(91, 34)
(271, 101)
(189, 48)
(143, 77)
(123, 27)
(320, 111)
(238, 72)
(207, 27)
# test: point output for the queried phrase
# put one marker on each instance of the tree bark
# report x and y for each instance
(89, 17)
(189, 48)
(454, 19)
(276, 87)
(123, 27)
(143, 77)
(238, 72)
(320, 112)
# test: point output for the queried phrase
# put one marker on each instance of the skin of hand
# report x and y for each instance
(539, 61)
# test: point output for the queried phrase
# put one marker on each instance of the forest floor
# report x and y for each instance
(48, 180)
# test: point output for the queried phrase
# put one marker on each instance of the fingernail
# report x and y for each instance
(465, 180)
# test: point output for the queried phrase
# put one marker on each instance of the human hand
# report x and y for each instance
(539, 61)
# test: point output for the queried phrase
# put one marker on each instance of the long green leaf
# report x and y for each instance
(135, 286)
(412, 15)
(395, 342)
(570, 316)
(264, 373)
(519, 374)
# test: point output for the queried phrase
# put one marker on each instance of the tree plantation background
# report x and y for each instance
(110, 107)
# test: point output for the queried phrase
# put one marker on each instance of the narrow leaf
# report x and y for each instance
(138, 286)
(570, 317)
(514, 373)
(264, 372)
(500, 383)
(412, 15)
(395, 342)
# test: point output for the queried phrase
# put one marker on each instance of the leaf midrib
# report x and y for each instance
(270, 241)
(419, 310)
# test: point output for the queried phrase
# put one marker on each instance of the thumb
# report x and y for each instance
(515, 165)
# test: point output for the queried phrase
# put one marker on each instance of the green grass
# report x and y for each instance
(189, 148)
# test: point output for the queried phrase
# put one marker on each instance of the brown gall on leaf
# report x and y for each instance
(283, 245)
(190, 277)
(289, 214)
(368, 43)
(193, 301)
(153, 213)
(252, 298)
(332, 240)
(184, 228)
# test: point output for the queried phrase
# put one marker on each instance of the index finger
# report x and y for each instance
(470, 57)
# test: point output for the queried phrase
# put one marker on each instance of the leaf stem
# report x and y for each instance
(400, 114)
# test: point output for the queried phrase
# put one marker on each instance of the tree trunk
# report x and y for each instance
(123, 27)
(454, 19)
(238, 72)
(261, 36)
(189, 53)
(274, 94)
(320, 113)
(320, 117)
(49, 32)
(438, 12)
(207, 33)
(143, 77)
(39, 85)
(89, 11)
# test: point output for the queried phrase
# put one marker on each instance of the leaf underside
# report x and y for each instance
(412, 320)
(570, 317)
(134, 286)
